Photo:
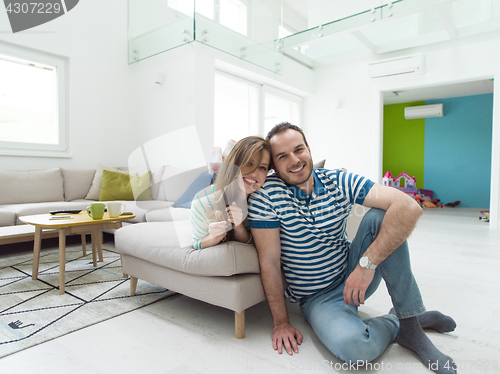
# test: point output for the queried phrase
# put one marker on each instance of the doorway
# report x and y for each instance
(451, 90)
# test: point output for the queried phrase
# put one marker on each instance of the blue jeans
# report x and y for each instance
(339, 326)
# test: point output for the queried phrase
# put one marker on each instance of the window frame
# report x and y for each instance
(258, 103)
(40, 59)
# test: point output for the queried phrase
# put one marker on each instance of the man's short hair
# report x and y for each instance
(283, 126)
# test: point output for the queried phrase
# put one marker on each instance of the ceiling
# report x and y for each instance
(440, 92)
(337, 30)
(333, 30)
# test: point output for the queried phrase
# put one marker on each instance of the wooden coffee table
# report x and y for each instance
(79, 223)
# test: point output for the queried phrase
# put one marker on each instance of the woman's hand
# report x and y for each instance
(216, 231)
(236, 218)
(235, 215)
(219, 227)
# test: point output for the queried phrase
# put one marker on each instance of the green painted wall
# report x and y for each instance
(404, 142)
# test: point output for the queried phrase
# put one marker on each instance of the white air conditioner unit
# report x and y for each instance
(424, 111)
(411, 64)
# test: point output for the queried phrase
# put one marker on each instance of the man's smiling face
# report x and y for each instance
(292, 158)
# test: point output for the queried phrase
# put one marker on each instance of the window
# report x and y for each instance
(244, 108)
(32, 104)
(236, 108)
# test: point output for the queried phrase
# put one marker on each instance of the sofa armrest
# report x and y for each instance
(7, 217)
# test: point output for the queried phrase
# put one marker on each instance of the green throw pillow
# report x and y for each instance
(119, 186)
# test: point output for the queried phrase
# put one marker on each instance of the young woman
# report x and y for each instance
(218, 213)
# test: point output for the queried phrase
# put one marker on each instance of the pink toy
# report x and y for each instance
(388, 180)
(409, 182)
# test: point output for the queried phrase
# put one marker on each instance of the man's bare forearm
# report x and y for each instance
(399, 221)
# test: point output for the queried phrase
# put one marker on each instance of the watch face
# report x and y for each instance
(363, 262)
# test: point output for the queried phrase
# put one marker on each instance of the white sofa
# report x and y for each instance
(31, 192)
(226, 275)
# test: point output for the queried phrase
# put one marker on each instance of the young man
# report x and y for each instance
(298, 220)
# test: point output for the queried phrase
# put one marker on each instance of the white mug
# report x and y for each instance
(115, 208)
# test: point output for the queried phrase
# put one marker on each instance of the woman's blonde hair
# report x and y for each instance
(238, 159)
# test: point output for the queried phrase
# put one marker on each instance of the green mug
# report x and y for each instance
(96, 210)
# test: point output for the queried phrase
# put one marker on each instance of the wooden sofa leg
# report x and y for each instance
(133, 285)
(239, 324)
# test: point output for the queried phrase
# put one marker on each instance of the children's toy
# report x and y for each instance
(484, 215)
(409, 183)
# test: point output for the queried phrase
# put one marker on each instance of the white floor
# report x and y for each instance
(455, 260)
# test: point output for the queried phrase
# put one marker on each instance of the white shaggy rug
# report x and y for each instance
(32, 311)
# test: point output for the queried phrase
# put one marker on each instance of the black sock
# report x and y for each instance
(411, 336)
(434, 320)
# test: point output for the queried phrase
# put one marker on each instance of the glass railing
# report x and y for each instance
(390, 26)
(155, 27)
(313, 32)
(246, 29)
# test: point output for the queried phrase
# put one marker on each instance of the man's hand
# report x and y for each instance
(356, 285)
(287, 335)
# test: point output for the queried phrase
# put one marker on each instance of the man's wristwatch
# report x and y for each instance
(365, 262)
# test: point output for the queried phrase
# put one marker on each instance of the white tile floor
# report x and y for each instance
(455, 259)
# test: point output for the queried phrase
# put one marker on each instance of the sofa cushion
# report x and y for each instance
(319, 164)
(95, 188)
(119, 186)
(169, 214)
(158, 242)
(77, 183)
(202, 181)
(7, 217)
(41, 208)
(32, 186)
(156, 178)
(176, 181)
(141, 208)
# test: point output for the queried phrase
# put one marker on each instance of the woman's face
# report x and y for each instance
(253, 180)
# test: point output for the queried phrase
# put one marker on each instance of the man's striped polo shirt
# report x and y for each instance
(314, 242)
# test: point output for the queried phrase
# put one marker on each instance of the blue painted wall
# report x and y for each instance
(457, 163)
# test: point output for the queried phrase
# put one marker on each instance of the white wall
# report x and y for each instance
(94, 37)
(351, 136)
